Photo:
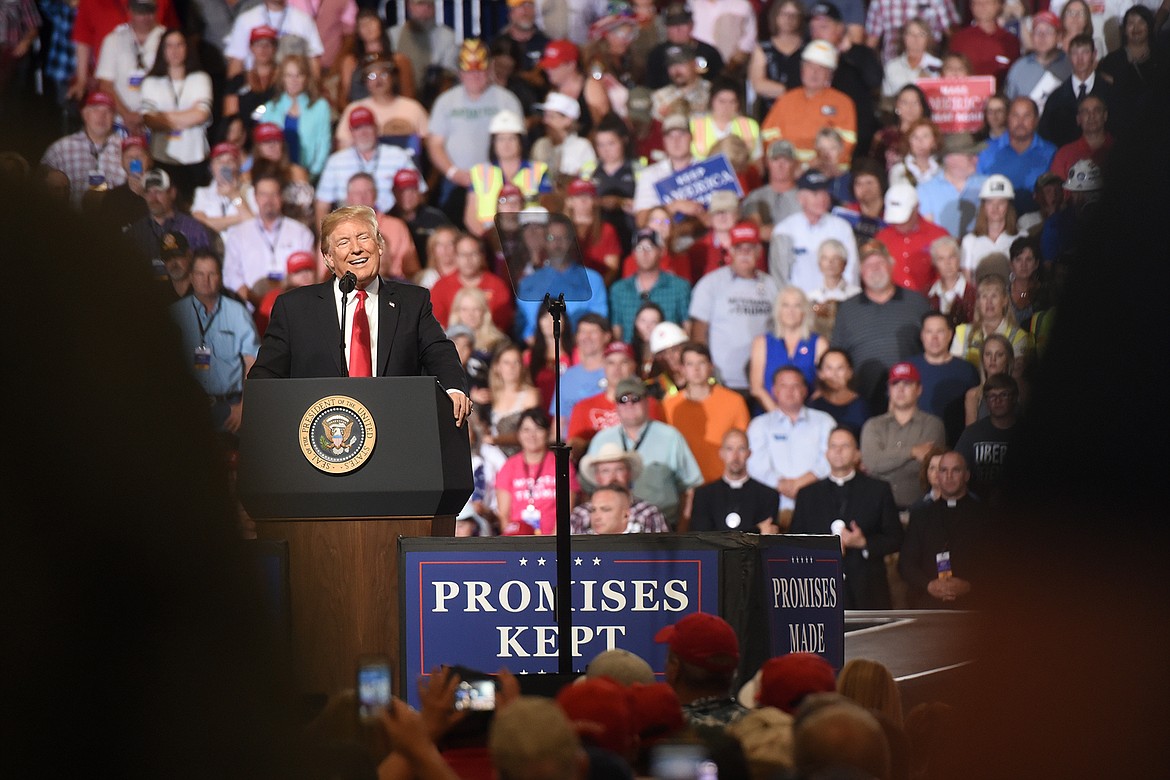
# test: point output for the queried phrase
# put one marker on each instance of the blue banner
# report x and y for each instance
(486, 604)
(802, 586)
(700, 181)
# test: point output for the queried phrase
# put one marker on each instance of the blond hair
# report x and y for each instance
(363, 214)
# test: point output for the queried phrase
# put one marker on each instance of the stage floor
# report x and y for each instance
(927, 651)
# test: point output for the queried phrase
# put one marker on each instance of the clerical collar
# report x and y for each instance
(839, 481)
(736, 484)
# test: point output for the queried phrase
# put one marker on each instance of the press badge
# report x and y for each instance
(136, 78)
(96, 180)
(275, 276)
(202, 358)
(531, 515)
(943, 560)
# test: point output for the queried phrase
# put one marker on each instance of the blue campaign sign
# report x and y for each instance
(802, 583)
(489, 603)
(700, 181)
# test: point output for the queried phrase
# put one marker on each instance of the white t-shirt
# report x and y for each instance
(975, 248)
(160, 93)
(290, 21)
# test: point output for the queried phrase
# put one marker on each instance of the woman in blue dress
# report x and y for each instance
(790, 343)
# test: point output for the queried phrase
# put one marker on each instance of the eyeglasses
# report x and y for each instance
(380, 74)
(1000, 395)
(629, 398)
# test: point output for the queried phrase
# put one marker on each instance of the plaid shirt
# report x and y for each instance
(17, 17)
(714, 711)
(886, 17)
(76, 156)
(644, 518)
(60, 62)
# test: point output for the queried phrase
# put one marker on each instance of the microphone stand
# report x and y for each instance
(346, 283)
(561, 450)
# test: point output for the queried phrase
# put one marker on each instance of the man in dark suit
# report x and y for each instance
(861, 511)
(1058, 125)
(390, 330)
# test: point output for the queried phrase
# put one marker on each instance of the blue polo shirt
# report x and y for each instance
(584, 291)
(1021, 169)
(952, 210)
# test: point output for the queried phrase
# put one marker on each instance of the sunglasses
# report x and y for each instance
(629, 398)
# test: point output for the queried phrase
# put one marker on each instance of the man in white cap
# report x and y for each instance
(611, 467)
(908, 236)
(800, 113)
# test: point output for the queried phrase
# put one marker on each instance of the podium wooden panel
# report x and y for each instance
(343, 578)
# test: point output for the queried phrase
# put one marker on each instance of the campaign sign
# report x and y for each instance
(956, 104)
(802, 583)
(490, 603)
(700, 181)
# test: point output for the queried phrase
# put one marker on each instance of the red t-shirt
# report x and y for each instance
(537, 484)
(991, 54)
(1068, 155)
(596, 412)
(97, 18)
(594, 252)
(499, 299)
(911, 252)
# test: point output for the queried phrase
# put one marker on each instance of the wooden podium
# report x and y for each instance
(340, 468)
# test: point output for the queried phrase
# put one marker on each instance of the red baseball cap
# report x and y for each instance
(1048, 18)
(904, 372)
(619, 347)
(582, 187)
(600, 712)
(300, 261)
(656, 711)
(558, 53)
(134, 140)
(100, 99)
(406, 178)
(786, 680)
(745, 233)
(225, 147)
(267, 131)
(361, 117)
(262, 33)
(707, 641)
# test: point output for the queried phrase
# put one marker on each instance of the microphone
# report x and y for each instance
(346, 284)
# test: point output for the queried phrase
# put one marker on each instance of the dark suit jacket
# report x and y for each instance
(1058, 125)
(870, 503)
(305, 330)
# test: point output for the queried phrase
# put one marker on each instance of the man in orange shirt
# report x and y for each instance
(704, 411)
(801, 113)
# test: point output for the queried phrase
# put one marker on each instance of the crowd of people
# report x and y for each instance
(841, 344)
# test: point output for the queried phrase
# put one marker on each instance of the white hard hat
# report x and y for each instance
(997, 186)
(666, 335)
(506, 122)
(1084, 176)
(820, 52)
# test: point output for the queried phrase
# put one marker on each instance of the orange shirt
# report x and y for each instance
(704, 423)
(796, 117)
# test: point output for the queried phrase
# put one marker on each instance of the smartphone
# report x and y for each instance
(682, 761)
(373, 686)
(136, 167)
(476, 695)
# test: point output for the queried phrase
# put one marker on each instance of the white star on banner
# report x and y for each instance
(540, 561)
(577, 561)
(596, 561)
(523, 561)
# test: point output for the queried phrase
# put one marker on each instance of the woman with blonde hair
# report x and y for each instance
(871, 685)
(469, 307)
(995, 357)
(440, 256)
(992, 315)
(302, 114)
(791, 343)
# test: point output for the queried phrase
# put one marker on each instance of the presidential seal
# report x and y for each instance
(337, 434)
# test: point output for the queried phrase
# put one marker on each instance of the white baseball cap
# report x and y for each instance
(506, 122)
(901, 203)
(562, 104)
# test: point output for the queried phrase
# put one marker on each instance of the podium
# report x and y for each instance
(340, 468)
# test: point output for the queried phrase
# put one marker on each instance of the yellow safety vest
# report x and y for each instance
(487, 180)
(704, 136)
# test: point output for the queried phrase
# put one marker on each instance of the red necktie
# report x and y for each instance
(359, 339)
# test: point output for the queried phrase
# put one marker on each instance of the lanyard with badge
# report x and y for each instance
(97, 179)
(274, 272)
(178, 95)
(373, 163)
(203, 352)
(530, 514)
(139, 72)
